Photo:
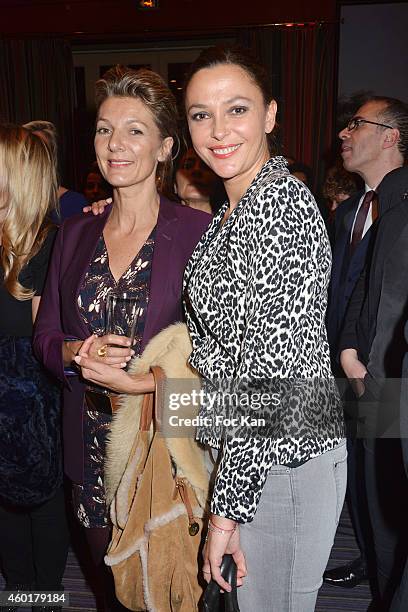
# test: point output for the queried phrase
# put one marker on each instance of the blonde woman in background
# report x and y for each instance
(70, 202)
(33, 529)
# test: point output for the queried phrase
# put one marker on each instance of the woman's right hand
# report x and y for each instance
(112, 376)
(354, 369)
(98, 207)
(110, 349)
(117, 355)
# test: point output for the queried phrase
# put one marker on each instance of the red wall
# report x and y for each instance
(121, 17)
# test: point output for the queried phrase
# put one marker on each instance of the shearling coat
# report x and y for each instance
(153, 557)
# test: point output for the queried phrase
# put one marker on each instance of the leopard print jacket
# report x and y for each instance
(255, 294)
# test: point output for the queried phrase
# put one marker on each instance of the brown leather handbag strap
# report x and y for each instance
(159, 379)
(114, 402)
(152, 406)
(146, 413)
(182, 490)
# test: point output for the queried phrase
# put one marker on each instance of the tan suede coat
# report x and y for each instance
(154, 559)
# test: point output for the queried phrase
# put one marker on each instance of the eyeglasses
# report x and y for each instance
(357, 121)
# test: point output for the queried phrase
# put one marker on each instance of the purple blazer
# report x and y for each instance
(179, 228)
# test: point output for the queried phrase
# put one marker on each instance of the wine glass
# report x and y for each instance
(122, 314)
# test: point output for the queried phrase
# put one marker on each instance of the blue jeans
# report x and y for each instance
(288, 544)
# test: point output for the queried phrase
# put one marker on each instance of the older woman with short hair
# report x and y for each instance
(140, 244)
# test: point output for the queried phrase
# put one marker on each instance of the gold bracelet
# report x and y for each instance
(215, 529)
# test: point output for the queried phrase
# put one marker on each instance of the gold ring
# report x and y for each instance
(102, 352)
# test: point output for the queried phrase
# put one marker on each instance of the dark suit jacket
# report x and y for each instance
(346, 270)
(179, 228)
(378, 309)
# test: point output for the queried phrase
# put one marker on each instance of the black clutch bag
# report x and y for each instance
(214, 600)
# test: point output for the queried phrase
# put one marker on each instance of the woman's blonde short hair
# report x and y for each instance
(28, 193)
(149, 87)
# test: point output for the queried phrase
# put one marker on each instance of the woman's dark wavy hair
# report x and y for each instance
(149, 87)
(242, 57)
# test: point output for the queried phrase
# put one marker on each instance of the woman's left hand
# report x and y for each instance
(216, 546)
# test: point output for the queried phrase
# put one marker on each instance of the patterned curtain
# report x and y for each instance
(37, 82)
(302, 64)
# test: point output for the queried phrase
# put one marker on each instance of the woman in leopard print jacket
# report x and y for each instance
(255, 295)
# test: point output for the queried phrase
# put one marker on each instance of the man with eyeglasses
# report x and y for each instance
(370, 228)
(363, 152)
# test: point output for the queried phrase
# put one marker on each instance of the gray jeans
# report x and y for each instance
(288, 544)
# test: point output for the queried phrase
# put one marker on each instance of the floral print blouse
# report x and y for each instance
(99, 282)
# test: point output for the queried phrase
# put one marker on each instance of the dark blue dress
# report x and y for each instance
(30, 433)
(70, 203)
